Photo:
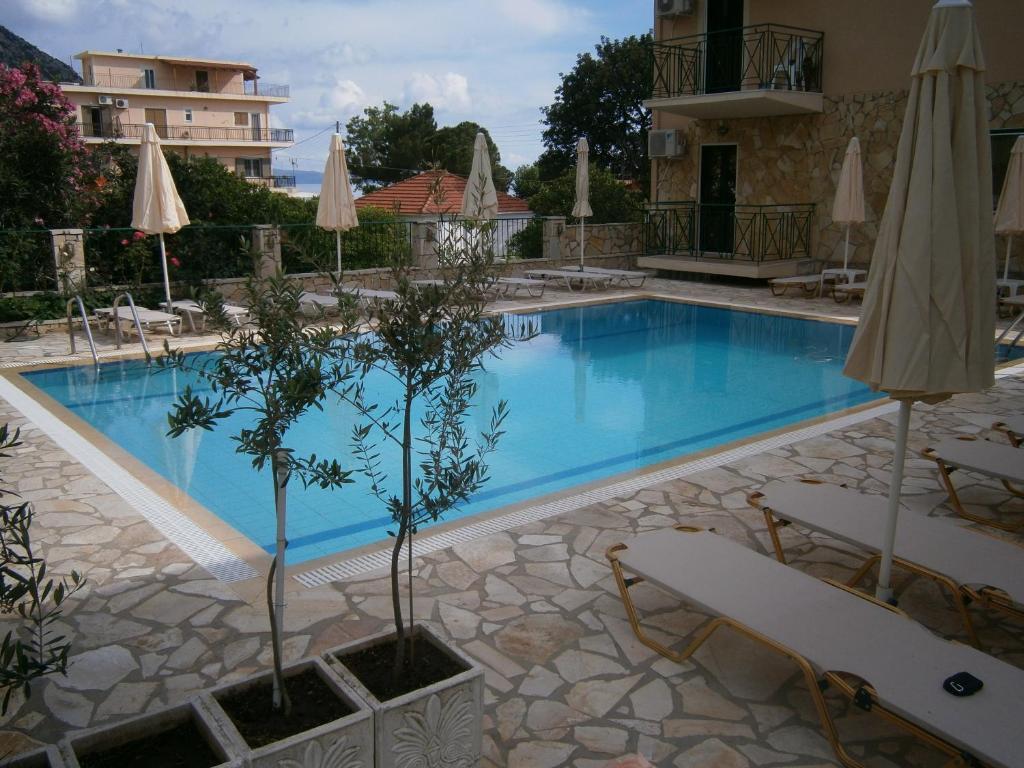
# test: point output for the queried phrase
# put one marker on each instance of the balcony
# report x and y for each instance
(188, 133)
(763, 70)
(757, 241)
(247, 88)
(275, 182)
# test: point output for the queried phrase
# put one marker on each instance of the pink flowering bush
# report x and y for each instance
(45, 171)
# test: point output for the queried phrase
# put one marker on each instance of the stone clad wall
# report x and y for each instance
(797, 159)
(622, 239)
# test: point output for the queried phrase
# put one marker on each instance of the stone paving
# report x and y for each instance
(566, 682)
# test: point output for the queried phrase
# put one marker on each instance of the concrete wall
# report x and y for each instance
(119, 71)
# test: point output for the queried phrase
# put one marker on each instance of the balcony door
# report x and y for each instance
(717, 198)
(158, 117)
(725, 46)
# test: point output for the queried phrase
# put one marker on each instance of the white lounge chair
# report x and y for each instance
(147, 317)
(317, 304)
(845, 291)
(570, 277)
(1013, 426)
(972, 566)
(191, 310)
(627, 277)
(1002, 462)
(837, 637)
(365, 295)
(510, 286)
(808, 284)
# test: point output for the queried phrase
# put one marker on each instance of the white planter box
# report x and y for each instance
(418, 728)
(110, 736)
(343, 743)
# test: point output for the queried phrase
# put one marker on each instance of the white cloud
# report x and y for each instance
(447, 92)
(50, 10)
(341, 101)
(540, 16)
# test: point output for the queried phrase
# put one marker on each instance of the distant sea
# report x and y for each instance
(314, 188)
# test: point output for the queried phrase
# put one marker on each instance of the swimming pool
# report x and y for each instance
(601, 390)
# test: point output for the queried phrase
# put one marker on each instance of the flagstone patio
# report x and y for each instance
(566, 682)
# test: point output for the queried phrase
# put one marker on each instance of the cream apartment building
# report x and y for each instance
(200, 107)
(754, 103)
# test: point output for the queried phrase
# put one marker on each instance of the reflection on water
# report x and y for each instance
(601, 390)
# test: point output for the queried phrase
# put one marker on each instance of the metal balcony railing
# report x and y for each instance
(247, 88)
(188, 132)
(277, 182)
(753, 233)
(760, 56)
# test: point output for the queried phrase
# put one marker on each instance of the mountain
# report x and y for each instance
(14, 50)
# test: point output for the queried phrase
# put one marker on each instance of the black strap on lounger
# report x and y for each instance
(862, 698)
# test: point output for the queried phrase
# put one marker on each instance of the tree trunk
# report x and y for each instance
(275, 587)
(403, 529)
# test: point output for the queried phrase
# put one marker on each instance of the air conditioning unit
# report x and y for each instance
(105, 101)
(121, 103)
(675, 7)
(666, 143)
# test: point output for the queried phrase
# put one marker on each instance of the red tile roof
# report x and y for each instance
(412, 196)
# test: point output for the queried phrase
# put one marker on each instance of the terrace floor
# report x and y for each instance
(566, 682)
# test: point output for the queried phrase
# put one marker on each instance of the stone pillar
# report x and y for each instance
(266, 245)
(554, 226)
(68, 248)
(424, 244)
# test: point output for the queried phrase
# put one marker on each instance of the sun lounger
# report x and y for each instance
(870, 652)
(628, 277)
(844, 291)
(570, 277)
(808, 284)
(147, 317)
(1002, 462)
(191, 310)
(316, 304)
(510, 286)
(366, 294)
(1013, 426)
(970, 565)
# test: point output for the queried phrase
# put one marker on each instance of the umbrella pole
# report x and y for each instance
(883, 591)
(167, 279)
(846, 250)
(337, 244)
(582, 246)
(1006, 264)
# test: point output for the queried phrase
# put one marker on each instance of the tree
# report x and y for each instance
(602, 99)
(385, 145)
(274, 370)
(610, 199)
(44, 171)
(451, 148)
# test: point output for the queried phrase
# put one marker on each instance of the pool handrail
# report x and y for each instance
(135, 320)
(77, 299)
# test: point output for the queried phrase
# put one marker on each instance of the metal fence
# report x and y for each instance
(759, 56)
(118, 130)
(737, 232)
(248, 88)
(308, 248)
(27, 262)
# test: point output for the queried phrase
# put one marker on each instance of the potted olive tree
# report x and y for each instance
(431, 340)
(269, 374)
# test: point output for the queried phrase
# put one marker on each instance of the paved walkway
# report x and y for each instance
(567, 684)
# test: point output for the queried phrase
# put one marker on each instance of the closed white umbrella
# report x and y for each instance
(156, 209)
(848, 207)
(582, 207)
(336, 210)
(480, 199)
(927, 326)
(1010, 211)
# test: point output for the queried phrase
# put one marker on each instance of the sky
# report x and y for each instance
(495, 62)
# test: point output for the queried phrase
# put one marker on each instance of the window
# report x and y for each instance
(188, 115)
(249, 167)
(202, 81)
(242, 118)
(149, 76)
(1002, 143)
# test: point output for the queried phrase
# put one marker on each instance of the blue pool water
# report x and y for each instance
(601, 390)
